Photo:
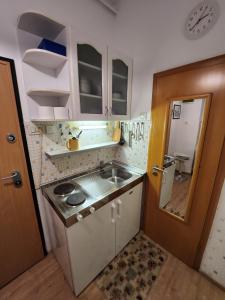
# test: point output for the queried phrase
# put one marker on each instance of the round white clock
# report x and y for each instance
(201, 19)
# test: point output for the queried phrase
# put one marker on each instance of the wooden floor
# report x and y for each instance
(45, 281)
(178, 202)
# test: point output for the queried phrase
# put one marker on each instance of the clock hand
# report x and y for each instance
(204, 10)
(203, 17)
(199, 20)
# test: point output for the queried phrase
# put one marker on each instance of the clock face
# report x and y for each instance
(201, 19)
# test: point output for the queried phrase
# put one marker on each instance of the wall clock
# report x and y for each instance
(201, 19)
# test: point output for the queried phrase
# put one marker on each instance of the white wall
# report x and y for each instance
(184, 132)
(152, 32)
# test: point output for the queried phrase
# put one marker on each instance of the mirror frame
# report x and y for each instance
(199, 147)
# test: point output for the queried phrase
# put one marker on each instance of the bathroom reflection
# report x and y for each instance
(185, 119)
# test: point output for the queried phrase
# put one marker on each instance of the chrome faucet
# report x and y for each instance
(103, 165)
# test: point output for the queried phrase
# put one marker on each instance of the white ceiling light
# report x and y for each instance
(112, 5)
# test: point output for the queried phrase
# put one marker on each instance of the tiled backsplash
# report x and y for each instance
(137, 154)
(52, 136)
(213, 262)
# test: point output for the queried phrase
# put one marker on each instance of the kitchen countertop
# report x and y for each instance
(102, 191)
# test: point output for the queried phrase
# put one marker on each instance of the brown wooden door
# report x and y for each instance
(20, 242)
(182, 238)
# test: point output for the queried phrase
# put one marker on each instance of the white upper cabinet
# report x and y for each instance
(101, 80)
(119, 85)
(89, 77)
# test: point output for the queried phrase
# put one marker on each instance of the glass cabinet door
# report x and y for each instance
(90, 79)
(119, 87)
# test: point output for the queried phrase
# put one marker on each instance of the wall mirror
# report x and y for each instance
(186, 125)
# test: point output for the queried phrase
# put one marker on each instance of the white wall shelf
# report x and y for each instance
(48, 93)
(40, 25)
(44, 58)
(63, 152)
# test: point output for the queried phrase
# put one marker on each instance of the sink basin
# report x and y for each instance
(116, 180)
(115, 175)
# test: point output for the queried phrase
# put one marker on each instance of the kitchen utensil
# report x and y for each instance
(130, 138)
(142, 129)
(77, 137)
(133, 130)
(72, 144)
(122, 140)
(116, 132)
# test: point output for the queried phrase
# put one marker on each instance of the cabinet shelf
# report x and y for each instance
(48, 93)
(62, 152)
(90, 96)
(82, 63)
(119, 76)
(119, 100)
(40, 25)
(44, 58)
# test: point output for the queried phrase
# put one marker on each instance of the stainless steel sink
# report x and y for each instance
(115, 175)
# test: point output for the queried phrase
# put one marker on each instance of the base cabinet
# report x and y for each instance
(91, 244)
(85, 248)
(128, 207)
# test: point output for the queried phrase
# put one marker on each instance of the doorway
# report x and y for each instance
(178, 170)
(21, 243)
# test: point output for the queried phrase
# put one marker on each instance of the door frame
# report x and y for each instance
(25, 146)
(218, 178)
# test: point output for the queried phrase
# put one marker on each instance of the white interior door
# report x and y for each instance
(91, 245)
(128, 207)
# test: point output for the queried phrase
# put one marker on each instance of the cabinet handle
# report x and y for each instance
(110, 111)
(106, 110)
(79, 217)
(113, 206)
(119, 202)
(131, 192)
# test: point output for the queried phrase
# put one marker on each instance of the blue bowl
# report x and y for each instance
(52, 46)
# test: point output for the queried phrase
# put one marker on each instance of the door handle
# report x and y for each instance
(113, 206)
(16, 178)
(156, 169)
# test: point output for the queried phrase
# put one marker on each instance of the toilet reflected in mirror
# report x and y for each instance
(182, 155)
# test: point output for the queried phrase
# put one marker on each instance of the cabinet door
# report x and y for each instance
(91, 245)
(89, 69)
(128, 211)
(119, 85)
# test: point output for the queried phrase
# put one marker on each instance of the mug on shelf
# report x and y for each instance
(72, 144)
